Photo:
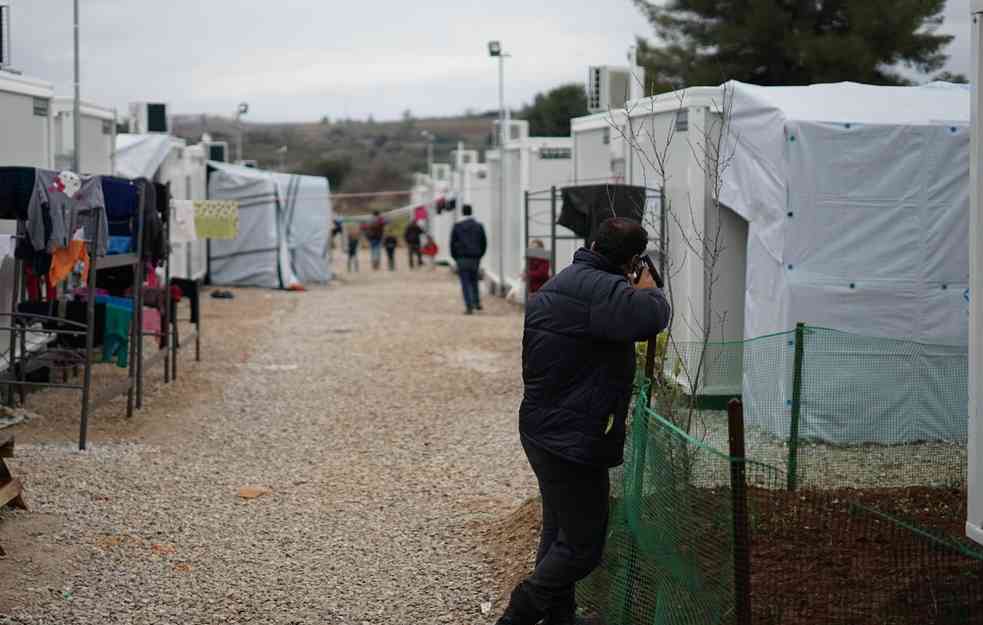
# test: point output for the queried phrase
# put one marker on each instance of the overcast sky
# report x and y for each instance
(297, 60)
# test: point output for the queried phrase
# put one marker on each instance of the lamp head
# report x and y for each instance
(495, 48)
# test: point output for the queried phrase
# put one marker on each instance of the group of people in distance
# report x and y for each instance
(381, 236)
(468, 245)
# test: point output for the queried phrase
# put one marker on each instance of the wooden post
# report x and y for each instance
(552, 231)
(742, 539)
(793, 437)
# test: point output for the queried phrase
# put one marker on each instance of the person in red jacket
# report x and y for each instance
(537, 266)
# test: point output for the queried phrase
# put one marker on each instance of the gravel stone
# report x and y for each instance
(381, 419)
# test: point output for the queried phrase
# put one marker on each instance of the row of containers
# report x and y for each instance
(840, 206)
(285, 220)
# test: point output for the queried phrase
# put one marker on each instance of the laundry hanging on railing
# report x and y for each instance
(586, 207)
(216, 219)
(183, 221)
(62, 203)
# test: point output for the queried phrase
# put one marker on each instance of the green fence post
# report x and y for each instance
(793, 439)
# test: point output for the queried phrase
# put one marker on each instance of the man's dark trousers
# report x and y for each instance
(575, 521)
(467, 271)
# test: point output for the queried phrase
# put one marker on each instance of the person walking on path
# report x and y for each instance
(390, 243)
(374, 231)
(354, 237)
(578, 365)
(468, 246)
(412, 237)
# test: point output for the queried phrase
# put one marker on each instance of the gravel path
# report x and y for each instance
(380, 417)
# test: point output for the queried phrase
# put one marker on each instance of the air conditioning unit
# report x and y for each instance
(516, 130)
(608, 88)
(149, 118)
(440, 172)
(463, 158)
(218, 151)
(4, 34)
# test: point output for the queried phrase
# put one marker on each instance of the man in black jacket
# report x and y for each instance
(578, 364)
(468, 245)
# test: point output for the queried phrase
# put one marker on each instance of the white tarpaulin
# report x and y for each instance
(857, 198)
(259, 255)
(857, 202)
(306, 207)
(140, 156)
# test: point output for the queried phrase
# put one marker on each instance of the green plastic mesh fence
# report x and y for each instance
(836, 409)
(855, 489)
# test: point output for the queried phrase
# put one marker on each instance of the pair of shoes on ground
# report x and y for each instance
(471, 311)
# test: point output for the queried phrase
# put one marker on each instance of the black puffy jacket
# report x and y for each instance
(468, 239)
(578, 359)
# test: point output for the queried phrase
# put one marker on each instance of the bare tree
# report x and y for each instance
(683, 357)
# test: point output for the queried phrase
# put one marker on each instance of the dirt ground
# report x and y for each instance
(379, 420)
(834, 557)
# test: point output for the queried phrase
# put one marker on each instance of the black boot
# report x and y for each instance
(521, 609)
(565, 613)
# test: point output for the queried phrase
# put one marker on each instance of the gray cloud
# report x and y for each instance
(301, 59)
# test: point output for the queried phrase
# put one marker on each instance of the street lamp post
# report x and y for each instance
(242, 110)
(495, 51)
(282, 151)
(429, 136)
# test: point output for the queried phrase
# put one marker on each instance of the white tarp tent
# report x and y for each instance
(843, 206)
(857, 203)
(306, 206)
(259, 255)
(272, 249)
(140, 156)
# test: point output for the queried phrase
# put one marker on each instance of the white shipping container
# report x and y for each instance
(25, 121)
(98, 136)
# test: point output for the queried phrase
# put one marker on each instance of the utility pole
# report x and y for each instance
(495, 50)
(242, 110)
(77, 109)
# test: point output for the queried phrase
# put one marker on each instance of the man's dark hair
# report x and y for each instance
(466, 210)
(619, 240)
(375, 213)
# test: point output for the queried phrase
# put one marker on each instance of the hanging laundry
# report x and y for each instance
(71, 202)
(452, 204)
(33, 283)
(586, 207)
(16, 188)
(441, 205)
(183, 221)
(122, 203)
(420, 213)
(151, 321)
(116, 341)
(215, 219)
(119, 245)
(65, 260)
(188, 289)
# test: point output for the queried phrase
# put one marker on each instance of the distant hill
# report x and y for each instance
(356, 156)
